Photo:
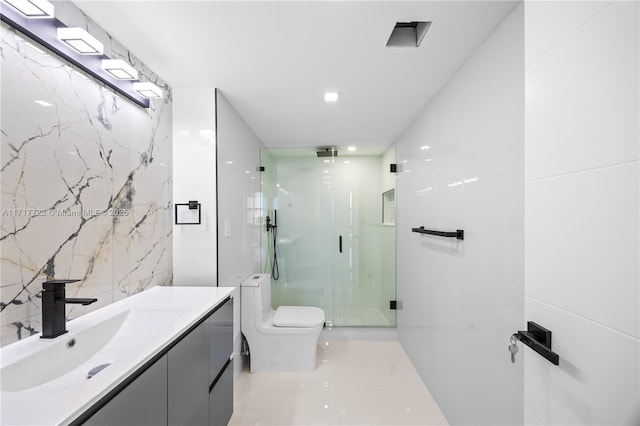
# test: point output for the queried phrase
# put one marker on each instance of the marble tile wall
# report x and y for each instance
(86, 179)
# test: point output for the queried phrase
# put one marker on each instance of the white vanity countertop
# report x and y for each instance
(151, 321)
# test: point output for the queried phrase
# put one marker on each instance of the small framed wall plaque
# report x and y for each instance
(188, 213)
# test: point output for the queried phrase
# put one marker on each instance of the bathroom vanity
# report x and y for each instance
(160, 357)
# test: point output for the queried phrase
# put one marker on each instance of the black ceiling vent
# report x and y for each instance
(327, 152)
(408, 34)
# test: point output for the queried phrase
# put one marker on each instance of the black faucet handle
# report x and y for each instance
(53, 284)
(80, 301)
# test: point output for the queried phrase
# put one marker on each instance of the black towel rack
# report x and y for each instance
(458, 234)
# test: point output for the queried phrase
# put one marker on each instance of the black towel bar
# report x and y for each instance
(459, 233)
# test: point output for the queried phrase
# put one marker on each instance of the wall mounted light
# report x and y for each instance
(34, 9)
(75, 45)
(148, 90)
(80, 41)
(119, 69)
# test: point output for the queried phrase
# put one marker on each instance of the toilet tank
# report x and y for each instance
(259, 286)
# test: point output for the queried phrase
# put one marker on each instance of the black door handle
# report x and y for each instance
(340, 243)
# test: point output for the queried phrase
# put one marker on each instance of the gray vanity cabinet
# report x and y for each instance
(139, 402)
(188, 364)
(190, 384)
(220, 325)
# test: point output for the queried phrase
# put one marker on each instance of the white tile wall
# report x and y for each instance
(238, 196)
(194, 164)
(582, 210)
(567, 17)
(462, 300)
(582, 94)
(582, 244)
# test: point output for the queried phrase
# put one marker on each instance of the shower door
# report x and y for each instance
(331, 247)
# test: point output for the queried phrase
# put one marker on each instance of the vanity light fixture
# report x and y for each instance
(80, 41)
(120, 69)
(148, 90)
(75, 45)
(330, 96)
(34, 9)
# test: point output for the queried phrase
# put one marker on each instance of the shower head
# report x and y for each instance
(327, 152)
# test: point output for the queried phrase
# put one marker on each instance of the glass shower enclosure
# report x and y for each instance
(328, 235)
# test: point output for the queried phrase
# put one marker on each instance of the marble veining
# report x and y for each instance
(86, 181)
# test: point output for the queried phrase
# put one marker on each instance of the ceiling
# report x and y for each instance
(274, 60)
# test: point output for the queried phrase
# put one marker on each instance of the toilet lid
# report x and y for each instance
(298, 316)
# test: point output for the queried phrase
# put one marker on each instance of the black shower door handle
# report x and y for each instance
(340, 243)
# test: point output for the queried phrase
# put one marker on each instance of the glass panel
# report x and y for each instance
(320, 203)
(360, 295)
(301, 198)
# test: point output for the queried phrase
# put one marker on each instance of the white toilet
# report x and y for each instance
(281, 340)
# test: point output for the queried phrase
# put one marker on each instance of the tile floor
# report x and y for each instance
(357, 382)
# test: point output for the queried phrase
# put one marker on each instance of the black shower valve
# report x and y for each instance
(269, 225)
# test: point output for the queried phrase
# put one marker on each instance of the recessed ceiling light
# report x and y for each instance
(33, 8)
(119, 69)
(43, 103)
(351, 148)
(327, 161)
(423, 147)
(148, 90)
(80, 41)
(330, 96)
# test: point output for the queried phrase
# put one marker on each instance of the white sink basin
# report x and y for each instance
(55, 358)
(64, 362)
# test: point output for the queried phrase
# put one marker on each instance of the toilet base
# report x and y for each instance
(284, 353)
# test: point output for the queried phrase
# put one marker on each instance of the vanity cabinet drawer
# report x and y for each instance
(220, 325)
(188, 364)
(142, 402)
(221, 398)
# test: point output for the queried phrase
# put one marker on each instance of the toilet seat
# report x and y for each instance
(298, 316)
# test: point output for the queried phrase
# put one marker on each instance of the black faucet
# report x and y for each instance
(53, 307)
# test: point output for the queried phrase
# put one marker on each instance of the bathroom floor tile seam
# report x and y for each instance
(361, 382)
